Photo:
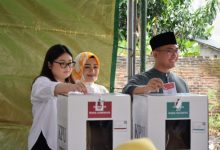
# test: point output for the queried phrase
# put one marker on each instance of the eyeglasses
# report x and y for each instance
(169, 51)
(64, 65)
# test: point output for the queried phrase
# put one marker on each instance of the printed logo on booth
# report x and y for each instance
(100, 109)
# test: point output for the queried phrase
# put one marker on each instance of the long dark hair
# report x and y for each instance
(53, 53)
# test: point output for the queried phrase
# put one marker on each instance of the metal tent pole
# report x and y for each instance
(131, 36)
(143, 35)
(134, 24)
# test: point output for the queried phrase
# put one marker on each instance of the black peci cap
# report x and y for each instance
(162, 39)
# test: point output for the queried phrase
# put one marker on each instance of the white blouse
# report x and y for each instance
(96, 88)
(44, 111)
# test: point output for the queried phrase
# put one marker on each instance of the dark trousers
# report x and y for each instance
(41, 143)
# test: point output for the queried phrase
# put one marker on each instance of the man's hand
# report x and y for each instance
(153, 85)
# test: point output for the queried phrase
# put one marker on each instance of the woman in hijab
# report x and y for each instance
(86, 70)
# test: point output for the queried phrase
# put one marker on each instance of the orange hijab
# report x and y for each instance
(80, 60)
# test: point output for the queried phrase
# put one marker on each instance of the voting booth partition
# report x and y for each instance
(172, 121)
(93, 122)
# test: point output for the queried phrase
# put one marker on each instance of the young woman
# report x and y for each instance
(55, 78)
(86, 70)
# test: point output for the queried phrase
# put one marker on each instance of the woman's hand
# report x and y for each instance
(80, 87)
(64, 88)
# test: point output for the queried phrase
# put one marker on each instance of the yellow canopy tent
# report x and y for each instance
(27, 29)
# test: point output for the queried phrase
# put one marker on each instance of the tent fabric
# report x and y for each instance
(27, 30)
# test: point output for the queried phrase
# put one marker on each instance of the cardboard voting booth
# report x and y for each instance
(172, 122)
(93, 122)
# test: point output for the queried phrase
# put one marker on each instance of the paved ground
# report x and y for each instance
(214, 142)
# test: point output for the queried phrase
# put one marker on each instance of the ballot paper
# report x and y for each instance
(169, 88)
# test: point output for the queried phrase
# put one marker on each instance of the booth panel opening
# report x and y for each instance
(178, 135)
(99, 135)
